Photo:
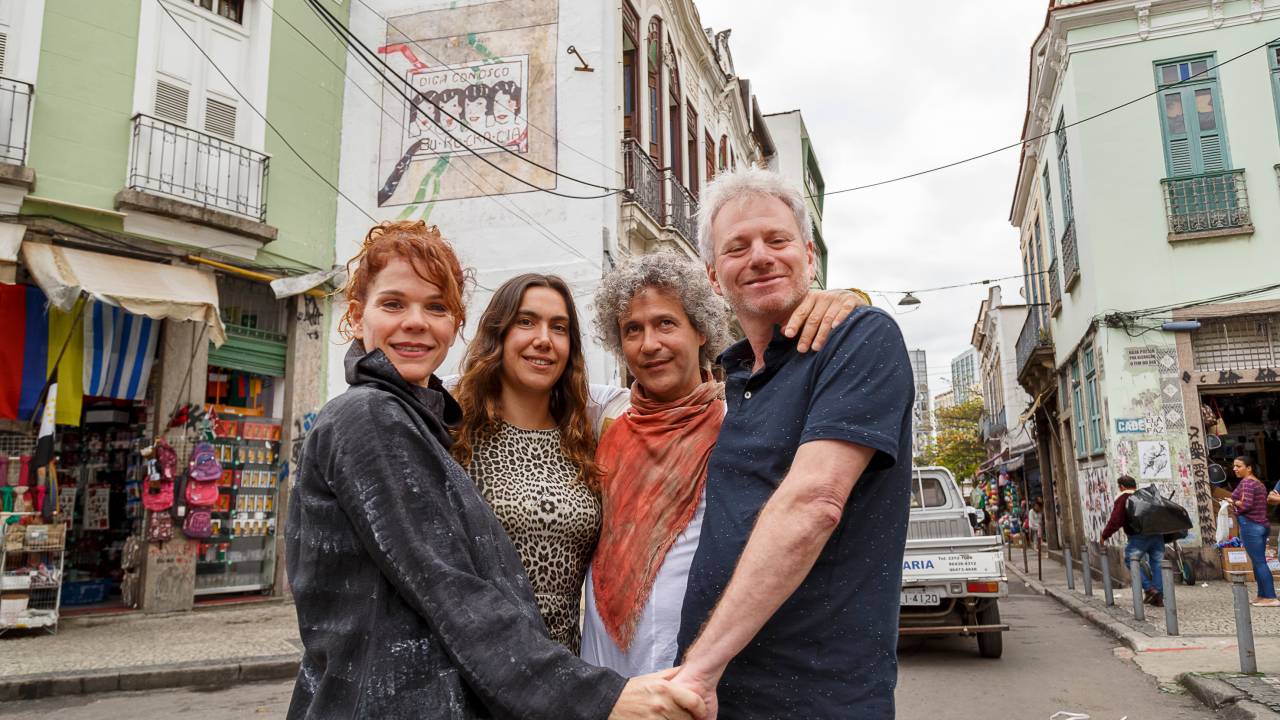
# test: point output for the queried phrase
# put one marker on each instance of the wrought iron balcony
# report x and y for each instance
(683, 215)
(1207, 205)
(180, 163)
(1070, 255)
(15, 118)
(644, 180)
(1034, 337)
(1055, 288)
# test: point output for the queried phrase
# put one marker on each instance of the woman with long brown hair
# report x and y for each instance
(527, 440)
(411, 601)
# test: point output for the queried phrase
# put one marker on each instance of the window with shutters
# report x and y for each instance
(1077, 411)
(654, 43)
(188, 90)
(1064, 170)
(630, 71)
(1093, 400)
(1191, 117)
(724, 153)
(1273, 57)
(709, 144)
(691, 154)
(1048, 213)
(675, 125)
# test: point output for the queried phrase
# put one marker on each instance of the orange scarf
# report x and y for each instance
(654, 460)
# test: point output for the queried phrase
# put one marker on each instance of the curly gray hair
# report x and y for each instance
(748, 182)
(684, 279)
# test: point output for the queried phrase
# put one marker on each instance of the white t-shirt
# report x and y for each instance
(653, 647)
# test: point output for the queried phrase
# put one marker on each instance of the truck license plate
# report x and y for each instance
(921, 598)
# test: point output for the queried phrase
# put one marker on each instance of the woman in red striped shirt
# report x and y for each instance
(1250, 503)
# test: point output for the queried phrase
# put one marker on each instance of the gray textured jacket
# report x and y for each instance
(411, 601)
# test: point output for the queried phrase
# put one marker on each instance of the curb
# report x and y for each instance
(1130, 638)
(153, 677)
(1220, 696)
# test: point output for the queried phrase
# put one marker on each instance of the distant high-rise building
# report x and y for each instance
(964, 375)
(921, 415)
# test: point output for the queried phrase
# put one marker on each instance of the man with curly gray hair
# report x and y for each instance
(791, 606)
(660, 315)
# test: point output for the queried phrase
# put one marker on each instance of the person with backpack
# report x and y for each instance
(1150, 547)
(1249, 501)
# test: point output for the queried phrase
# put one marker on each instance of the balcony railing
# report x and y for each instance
(644, 180)
(1070, 254)
(1034, 336)
(1055, 287)
(1209, 203)
(683, 215)
(184, 164)
(15, 114)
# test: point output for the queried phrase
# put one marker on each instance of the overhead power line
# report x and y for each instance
(368, 55)
(1024, 141)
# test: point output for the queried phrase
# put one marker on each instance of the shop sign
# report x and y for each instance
(1131, 425)
(1143, 356)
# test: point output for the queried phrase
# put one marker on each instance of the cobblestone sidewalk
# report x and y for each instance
(217, 645)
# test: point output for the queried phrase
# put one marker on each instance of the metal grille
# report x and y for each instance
(1055, 286)
(252, 305)
(1212, 201)
(684, 210)
(1237, 343)
(15, 109)
(177, 162)
(1070, 254)
(644, 180)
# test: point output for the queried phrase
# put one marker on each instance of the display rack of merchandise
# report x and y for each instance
(31, 565)
(240, 556)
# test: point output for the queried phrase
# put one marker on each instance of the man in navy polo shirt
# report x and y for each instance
(792, 602)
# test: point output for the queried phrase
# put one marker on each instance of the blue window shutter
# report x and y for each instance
(1048, 214)
(1191, 121)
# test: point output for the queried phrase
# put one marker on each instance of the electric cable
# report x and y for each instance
(1041, 136)
(260, 114)
(351, 38)
(447, 66)
(527, 219)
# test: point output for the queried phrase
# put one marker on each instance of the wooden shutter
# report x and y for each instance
(1195, 140)
(172, 102)
(691, 116)
(711, 156)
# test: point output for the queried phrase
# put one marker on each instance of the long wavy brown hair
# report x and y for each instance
(479, 392)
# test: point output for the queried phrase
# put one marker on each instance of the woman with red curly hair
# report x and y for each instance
(527, 440)
(411, 600)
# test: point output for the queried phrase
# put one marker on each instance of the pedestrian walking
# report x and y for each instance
(1249, 501)
(1149, 547)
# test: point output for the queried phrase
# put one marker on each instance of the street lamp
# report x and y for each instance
(909, 299)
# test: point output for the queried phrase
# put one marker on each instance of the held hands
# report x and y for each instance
(657, 696)
(820, 311)
(702, 683)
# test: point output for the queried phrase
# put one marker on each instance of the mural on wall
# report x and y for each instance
(1096, 499)
(482, 77)
(1154, 462)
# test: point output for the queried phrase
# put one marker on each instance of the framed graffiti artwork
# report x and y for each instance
(477, 106)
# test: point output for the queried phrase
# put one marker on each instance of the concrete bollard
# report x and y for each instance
(1170, 598)
(1026, 568)
(1039, 559)
(1086, 561)
(1244, 624)
(1071, 570)
(1135, 577)
(1107, 591)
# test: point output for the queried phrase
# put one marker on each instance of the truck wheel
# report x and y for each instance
(990, 644)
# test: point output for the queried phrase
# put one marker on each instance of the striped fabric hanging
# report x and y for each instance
(119, 349)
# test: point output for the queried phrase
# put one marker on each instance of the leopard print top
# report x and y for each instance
(552, 517)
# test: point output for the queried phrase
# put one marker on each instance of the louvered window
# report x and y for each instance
(1191, 117)
(172, 102)
(1273, 56)
(4, 41)
(220, 119)
(1064, 171)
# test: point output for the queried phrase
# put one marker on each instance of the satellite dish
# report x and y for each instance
(1217, 474)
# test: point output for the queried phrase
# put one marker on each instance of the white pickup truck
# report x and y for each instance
(952, 579)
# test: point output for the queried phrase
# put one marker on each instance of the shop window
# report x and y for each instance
(1191, 118)
(1077, 410)
(1094, 400)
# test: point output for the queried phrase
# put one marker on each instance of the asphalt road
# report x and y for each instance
(1053, 661)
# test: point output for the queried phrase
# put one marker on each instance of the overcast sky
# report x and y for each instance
(888, 88)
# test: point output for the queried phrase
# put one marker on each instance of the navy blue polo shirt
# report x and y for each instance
(830, 651)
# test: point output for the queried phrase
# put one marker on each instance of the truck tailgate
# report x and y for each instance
(962, 558)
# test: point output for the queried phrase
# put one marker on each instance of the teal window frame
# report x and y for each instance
(1048, 215)
(1273, 59)
(1077, 411)
(1064, 172)
(1093, 399)
(1191, 151)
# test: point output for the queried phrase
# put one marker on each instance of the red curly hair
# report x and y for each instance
(431, 256)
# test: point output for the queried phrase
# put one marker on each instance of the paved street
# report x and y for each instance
(1054, 660)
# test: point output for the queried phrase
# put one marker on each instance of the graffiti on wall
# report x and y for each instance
(1200, 472)
(1096, 500)
(482, 81)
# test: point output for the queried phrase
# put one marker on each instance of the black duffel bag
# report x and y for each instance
(1150, 513)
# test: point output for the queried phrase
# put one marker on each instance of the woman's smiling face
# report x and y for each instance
(405, 316)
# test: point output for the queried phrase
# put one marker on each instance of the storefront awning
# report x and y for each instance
(145, 288)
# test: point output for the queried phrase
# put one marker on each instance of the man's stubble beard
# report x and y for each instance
(777, 311)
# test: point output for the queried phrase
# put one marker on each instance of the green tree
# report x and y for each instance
(957, 445)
